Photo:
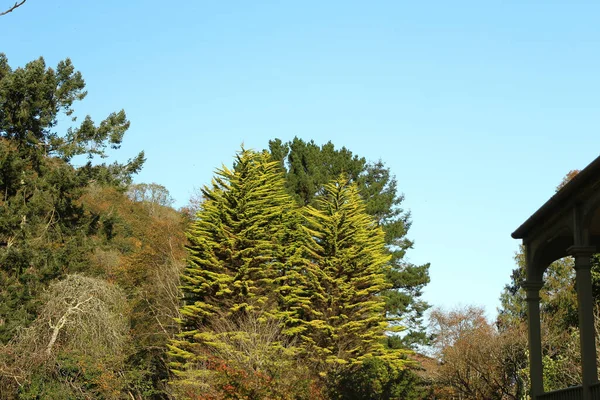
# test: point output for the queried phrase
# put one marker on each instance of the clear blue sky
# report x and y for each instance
(479, 108)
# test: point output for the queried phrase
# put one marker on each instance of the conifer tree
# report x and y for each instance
(308, 167)
(242, 257)
(44, 227)
(348, 321)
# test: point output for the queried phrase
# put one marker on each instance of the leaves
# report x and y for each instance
(309, 167)
(347, 248)
(237, 261)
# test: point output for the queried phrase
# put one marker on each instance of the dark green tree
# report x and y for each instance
(376, 379)
(44, 227)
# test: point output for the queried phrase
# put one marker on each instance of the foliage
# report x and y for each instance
(44, 228)
(76, 343)
(238, 262)
(34, 97)
(58, 219)
(254, 360)
(142, 251)
(275, 305)
(348, 320)
(377, 379)
(475, 360)
(308, 167)
(254, 263)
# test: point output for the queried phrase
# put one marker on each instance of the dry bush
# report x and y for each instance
(83, 314)
(82, 321)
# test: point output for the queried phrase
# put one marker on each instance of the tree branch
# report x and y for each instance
(13, 8)
(61, 322)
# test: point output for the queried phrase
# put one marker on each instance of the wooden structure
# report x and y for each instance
(567, 224)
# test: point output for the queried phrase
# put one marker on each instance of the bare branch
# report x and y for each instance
(61, 322)
(13, 8)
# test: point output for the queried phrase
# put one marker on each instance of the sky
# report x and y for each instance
(479, 108)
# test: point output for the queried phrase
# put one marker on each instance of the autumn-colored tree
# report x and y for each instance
(475, 361)
(140, 247)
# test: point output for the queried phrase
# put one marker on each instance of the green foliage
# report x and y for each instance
(44, 228)
(238, 263)
(75, 376)
(250, 256)
(308, 167)
(348, 316)
(316, 276)
(254, 360)
(33, 98)
(376, 379)
(57, 219)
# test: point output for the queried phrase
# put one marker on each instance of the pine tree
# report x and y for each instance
(348, 322)
(242, 257)
(308, 167)
(44, 227)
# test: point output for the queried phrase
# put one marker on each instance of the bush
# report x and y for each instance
(376, 379)
(252, 359)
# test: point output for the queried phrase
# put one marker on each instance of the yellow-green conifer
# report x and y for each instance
(348, 321)
(242, 258)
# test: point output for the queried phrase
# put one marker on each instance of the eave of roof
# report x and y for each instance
(560, 198)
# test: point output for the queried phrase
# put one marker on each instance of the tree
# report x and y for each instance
(152, 195)
(347, 245)
(308, 167)
(377, 379)
(44, 228)
(13, 8)
(76, 344)
(239, 263)
(475, 360)
(143, 253)
(34, 97)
